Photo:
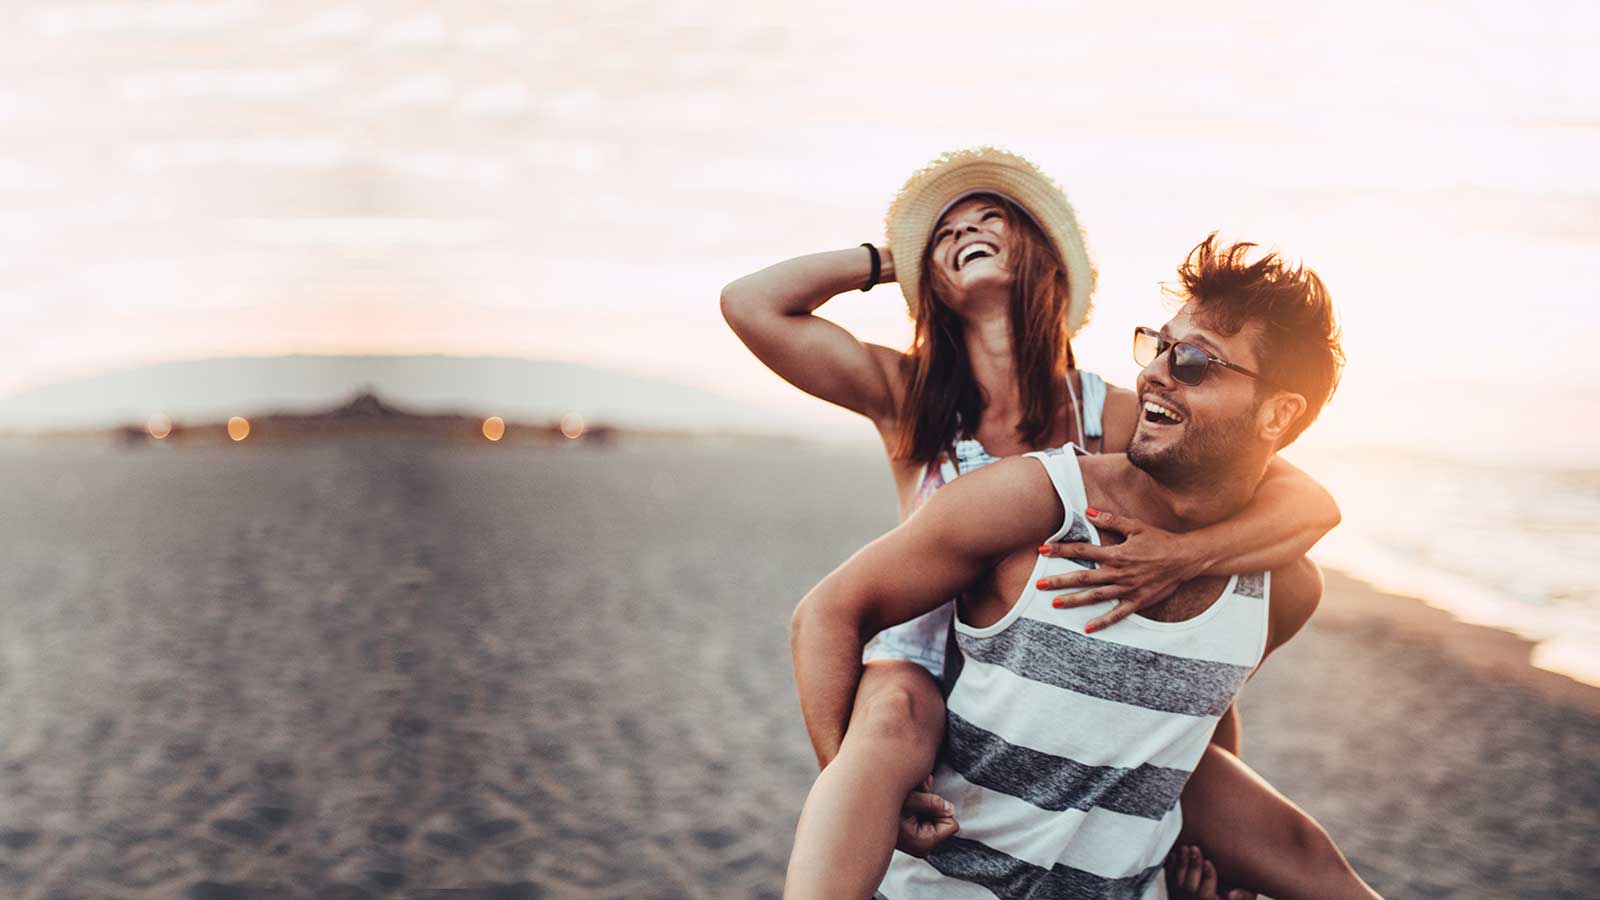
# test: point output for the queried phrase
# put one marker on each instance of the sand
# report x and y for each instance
(360, 669)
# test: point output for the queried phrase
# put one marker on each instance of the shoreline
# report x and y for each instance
(1353, 604)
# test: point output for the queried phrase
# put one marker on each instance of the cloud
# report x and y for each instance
(171, 18)
(244, 84)
(267, 152)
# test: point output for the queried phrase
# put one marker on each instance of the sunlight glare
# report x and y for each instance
(572, 426)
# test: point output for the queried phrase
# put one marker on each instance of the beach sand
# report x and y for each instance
(358, 669)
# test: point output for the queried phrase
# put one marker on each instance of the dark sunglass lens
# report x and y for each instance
(1188, 363)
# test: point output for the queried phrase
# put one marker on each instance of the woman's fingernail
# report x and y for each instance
(1043, 549)
(1041, 584)
(1089, 628)
(1093, 513)
(1058, 603)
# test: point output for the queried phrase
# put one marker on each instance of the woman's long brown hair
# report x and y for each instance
(944, 398)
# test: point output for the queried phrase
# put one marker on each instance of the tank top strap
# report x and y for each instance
(1061, 463)
(1094, 403)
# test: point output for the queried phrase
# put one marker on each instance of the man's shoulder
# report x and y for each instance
(996, 510)
(1016, 493)
(1101, 468)
(1016, 479)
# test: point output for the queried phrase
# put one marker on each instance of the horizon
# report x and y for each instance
(1387, 417)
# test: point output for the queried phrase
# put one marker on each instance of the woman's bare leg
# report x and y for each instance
(1260, 840)
(848, 827)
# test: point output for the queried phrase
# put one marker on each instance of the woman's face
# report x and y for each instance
(971, 249)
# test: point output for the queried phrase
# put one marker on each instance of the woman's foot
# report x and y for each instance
(1190, 876)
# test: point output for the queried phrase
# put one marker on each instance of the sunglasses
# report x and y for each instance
(1187, 363)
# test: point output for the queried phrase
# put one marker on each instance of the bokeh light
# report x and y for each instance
(494, 428)
(572, 426)
(159, 426)
(238, 428)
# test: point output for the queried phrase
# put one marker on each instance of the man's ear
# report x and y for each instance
(1278, 412)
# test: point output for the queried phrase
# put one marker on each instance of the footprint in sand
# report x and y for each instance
(18, 839)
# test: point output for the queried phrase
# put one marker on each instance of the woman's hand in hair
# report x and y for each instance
(1141, 571)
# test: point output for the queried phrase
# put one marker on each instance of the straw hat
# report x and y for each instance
(953, 177)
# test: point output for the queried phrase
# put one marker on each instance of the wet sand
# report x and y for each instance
(361, 669)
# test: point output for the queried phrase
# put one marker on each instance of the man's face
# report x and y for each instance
(1189, 433)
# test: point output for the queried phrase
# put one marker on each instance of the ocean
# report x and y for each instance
(1515, 546)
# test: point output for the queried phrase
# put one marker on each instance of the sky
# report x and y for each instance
(577, 180)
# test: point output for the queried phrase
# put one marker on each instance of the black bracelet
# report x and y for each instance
(877, 267)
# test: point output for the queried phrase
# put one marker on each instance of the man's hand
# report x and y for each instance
(926, 820)
(1141, 571)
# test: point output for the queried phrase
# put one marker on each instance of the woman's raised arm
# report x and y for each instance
(771, 311)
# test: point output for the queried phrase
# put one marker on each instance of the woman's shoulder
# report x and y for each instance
(897, 362)
(896, 367)
(1119, 418)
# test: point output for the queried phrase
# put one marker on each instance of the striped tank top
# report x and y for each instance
(1065, 752)
(922, 640)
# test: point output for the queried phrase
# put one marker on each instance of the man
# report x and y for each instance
(1066, 749)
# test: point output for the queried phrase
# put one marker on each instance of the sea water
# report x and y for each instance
(1500, 542)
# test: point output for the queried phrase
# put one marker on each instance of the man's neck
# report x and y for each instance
(1189, 506)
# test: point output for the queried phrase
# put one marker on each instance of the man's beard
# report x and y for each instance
(1204, 455)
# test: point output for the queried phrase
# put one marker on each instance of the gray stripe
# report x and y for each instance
(1133, 675)
(1056, 783)
(1078, 533)
(1012, 879)
(1252, 585)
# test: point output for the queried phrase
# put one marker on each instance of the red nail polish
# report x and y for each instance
(1088, 629)
(1093, 513)
(1058, 603)
(1043, 549)
(1041, 584)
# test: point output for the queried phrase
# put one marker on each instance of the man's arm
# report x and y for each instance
(968, 526)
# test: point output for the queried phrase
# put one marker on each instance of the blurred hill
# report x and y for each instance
(503, 386)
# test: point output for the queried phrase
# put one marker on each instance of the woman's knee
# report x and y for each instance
(1311, 843)
(899, 710)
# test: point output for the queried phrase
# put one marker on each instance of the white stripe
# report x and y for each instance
(910, 878)
(1102, 842)
(1065, 723)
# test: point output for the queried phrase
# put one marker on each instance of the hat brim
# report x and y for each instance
(931, 192)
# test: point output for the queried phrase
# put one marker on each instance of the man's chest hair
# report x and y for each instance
(993, 595)
(1192, 598)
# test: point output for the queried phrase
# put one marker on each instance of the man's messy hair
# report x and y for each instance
(1298, 347)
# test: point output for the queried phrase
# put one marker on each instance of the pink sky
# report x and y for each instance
(184, 180)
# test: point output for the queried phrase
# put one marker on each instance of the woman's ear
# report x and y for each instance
(1277, 414)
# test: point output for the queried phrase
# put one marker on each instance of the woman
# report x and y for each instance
(992, 265)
